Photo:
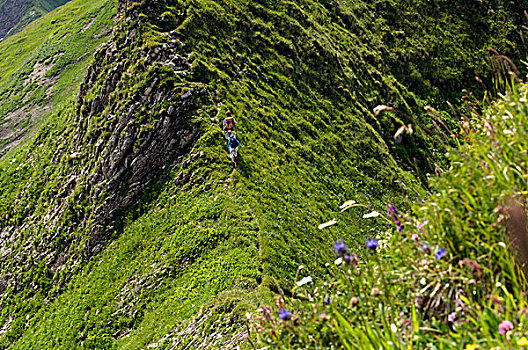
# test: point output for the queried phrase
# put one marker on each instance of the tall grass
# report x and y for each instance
(448, 275)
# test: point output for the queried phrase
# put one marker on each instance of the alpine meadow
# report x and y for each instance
(266, 174)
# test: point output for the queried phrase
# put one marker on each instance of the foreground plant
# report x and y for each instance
(449, 277)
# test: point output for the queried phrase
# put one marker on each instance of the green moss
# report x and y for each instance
(302, 79)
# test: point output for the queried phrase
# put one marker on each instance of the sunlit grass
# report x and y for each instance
(452, 272)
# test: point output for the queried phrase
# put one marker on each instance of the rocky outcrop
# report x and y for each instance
(132, 125)
(150, 132)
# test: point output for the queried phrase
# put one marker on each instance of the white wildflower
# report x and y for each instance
(326, 224)
(371, 215)
(305, 280)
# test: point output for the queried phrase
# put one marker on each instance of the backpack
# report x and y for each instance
(229, 123)
(233, 143)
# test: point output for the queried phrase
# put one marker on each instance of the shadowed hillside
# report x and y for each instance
(16, 14)
(123, 216)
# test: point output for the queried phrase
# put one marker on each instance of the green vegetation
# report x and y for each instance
(43, 66)
(204, 243)
(455, 274)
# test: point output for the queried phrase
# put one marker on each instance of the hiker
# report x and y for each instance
(229, 125)
(232, 142)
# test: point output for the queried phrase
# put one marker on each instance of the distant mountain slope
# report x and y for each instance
(44, 65)
(16, 14)
(123, 218)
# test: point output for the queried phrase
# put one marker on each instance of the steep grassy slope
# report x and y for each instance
(451, 275)
(43, 66)
(16, 14)
(124, 217)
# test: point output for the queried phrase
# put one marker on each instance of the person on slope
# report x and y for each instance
(232, 146)
(229, 125)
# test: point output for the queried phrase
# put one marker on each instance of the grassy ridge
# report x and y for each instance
(302, 79)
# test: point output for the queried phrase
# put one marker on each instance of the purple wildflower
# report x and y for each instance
(340, 248)
(452, 317)
(421, 225)
(393, 214)
(266, 310)
(417, 302)
(415, 237)
(284, 314)
(425, 248)
(440, 253)
(371, 243)
(327, 301)
(351, 259)
(505, 327)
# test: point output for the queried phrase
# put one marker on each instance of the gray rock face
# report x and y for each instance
(132, 126)
(148, 133)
